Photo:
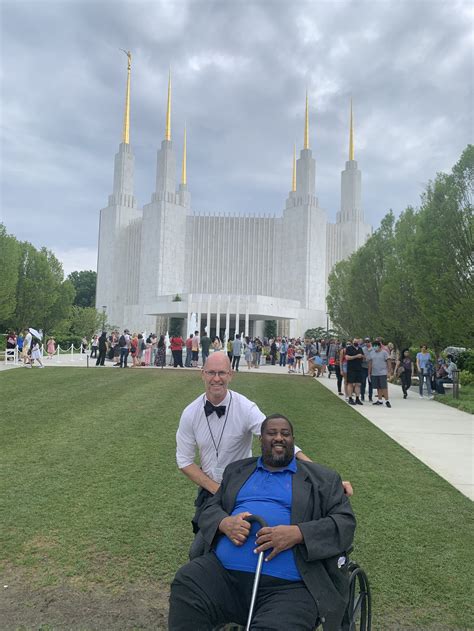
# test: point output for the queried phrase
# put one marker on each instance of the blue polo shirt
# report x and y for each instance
(268, 494)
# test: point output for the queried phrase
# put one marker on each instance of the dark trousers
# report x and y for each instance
(123, 357)
(235, 362)
(101, 358)
(204, 595)
(177, 358)
(94, 352)
(405, 379)
(439, 384)
(339, 377)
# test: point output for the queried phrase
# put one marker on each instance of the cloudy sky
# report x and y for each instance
(240, 70)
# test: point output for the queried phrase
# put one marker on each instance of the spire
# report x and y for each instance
(168, 111)
(293, 184)
(306, 125)
(183, 170)
(351, 138)
(126, 116)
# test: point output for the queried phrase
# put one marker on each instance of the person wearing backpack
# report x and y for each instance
(124, 345)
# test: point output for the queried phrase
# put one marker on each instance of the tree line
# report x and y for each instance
(412, 281)
(34, 292)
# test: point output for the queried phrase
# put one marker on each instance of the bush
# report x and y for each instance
(465, 361)
(466, 378)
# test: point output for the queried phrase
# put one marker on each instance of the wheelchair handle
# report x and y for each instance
(257, 519)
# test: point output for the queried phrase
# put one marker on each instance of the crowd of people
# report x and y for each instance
(361, 366)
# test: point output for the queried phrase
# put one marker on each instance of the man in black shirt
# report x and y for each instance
(355, 357)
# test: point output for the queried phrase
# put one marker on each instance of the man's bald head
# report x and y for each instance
(216, 374)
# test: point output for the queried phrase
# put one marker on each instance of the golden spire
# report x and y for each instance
(351, 138)
(293, 184)
(168, 111)
(183, 170)
(126, 116)
(306, 125)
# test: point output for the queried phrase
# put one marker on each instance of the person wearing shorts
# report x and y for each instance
(291, 358)
(354, 356)
(378, 370)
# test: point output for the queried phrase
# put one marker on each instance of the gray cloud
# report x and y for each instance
(240, 71)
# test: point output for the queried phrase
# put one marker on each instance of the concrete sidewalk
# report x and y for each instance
(438, 435)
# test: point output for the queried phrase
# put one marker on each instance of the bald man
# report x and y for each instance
(219, 425)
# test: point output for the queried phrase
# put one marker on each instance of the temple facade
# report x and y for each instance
(223, 273)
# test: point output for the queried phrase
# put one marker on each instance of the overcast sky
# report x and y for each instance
(239, 71)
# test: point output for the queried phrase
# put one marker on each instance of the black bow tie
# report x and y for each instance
(218, 409)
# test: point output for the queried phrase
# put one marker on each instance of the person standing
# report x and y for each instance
(51, 347)
(195, 350)
(216, 344)
(189, 351)
(366, 349)
(27, 348)
(124, 346)
(160, 358)
(404, 370)
(248, 352)
(378, 370)
(205, 346)
(19, 345)
(102, 346)
(273, 351)
(176, 345)
(424, 367)
(283, 351)
(355, 357)
(36, 352)
(236, 351)
(94, 346)
(229, 348)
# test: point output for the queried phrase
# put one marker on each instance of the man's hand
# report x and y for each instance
(279, 538)
(236, 528)
(348, 490)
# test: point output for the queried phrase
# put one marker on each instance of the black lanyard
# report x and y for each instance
(216, 447)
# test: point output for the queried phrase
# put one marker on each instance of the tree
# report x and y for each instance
(85, 321)
(84, 283)
(9, 263)
(270, 329)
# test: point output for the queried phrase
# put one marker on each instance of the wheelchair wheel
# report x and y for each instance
(360, 602)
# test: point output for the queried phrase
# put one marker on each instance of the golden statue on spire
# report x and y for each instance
(126, 116)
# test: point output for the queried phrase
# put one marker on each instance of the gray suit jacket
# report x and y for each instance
(324, 516)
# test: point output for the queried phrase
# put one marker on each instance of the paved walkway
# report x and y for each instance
(437, 434)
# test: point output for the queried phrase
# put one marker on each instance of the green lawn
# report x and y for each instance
(465, 401)
(90, 495)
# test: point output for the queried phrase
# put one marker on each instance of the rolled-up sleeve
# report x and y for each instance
(185, 442)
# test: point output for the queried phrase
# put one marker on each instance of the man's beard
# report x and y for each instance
(282, 459)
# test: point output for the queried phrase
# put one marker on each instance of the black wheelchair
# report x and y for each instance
(358, 614)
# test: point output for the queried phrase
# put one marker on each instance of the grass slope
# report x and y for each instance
(90, 492)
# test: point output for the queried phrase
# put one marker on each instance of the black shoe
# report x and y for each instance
(370, 399)
(362, 397)
(358, 401)
(341, 394)
(388, 404)
(404, 396)
(351, 401)
(377, 403)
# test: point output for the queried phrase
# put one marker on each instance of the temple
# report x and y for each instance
(223, 273)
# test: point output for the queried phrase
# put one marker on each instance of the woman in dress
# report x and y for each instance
(134, 350)
(248, 352)
(51, 347)
(160, 358)
(148, 346)
(94, 346)
(36, 352)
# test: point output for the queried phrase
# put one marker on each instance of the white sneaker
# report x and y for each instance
(431, 398)
(421, 396)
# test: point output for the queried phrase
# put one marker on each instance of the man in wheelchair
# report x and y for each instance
(305, 573)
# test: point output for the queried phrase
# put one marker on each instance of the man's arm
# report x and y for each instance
(197, 475)
(319, 539)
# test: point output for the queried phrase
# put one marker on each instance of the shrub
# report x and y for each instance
(466, 378)
(465, 361)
